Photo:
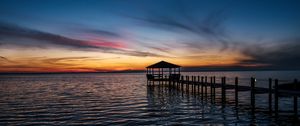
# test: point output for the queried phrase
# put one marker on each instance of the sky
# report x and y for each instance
(117, 35)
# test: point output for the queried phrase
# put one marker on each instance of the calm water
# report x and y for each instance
(124, 99)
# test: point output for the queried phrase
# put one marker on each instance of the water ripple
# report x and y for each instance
(111, 99)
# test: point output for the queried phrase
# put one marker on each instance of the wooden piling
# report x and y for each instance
(222, 86)
(195, 82)
(253, 95)
(205, 86)
(198, 83)
(169, 81)
(191, 83)
(236, 91)
(270, 96)
(214, 87)
(182, 83)
(153, 83)
(276, 98)
(186, 82)
(295, 100)
(202, 94)
(211, 89)
(177, 84)
(223, 90)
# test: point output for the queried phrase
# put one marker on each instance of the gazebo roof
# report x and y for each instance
(163, 64)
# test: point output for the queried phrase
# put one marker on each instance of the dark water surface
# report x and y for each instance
(124, 99)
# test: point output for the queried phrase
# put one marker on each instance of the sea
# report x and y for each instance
(125, 99)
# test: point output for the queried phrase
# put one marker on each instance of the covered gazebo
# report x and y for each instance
(163, 71)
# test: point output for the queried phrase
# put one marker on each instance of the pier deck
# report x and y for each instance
(207, 85)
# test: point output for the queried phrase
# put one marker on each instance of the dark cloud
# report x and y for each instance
(59, 61)
(29, 37)
(10, 31)
(100, 32)
(2, 58)
(141, 54)
(284, 54)
(161, 49)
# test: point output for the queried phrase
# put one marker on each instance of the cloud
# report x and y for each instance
(284, 54)
(65, 61)
(4, 59)
(10, 31)
(210, 27)
(100, 32)
(14, 34)
(45, 64)
(62, 61)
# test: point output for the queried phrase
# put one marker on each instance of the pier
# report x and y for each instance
(168, 74)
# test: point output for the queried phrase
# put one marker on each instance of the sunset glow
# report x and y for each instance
(116, 35)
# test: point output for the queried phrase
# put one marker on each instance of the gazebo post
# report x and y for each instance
(159, 73)
(170, 72)
(152, 71)
(159, 76)
(162, 72)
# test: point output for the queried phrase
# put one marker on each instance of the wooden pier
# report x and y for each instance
(206, 87)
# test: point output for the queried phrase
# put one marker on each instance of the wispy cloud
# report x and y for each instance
(10, 31)
(210, 27)
(46, 64)
(14, 34)
(284, 54)
(161, 49)
(4, 59)
(70, 61)
(99, 32)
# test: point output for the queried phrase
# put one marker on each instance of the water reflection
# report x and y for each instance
(116, 99)
(183, 106)
(187, 107)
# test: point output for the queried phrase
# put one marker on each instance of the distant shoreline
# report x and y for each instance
(133, 71)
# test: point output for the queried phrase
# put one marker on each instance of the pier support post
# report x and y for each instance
(188, 84)
(211, 89)
(205, 87)
(223, 90)
(198, 83)
(276, 98)
(181, 83)
(270, 96)
(236, 92)
(192, 84)
(177, 83)
(153, 83)
(214, 87)
(195, 82)
(295, 101)
(169, 80)
(202, 81)
(253, 95)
